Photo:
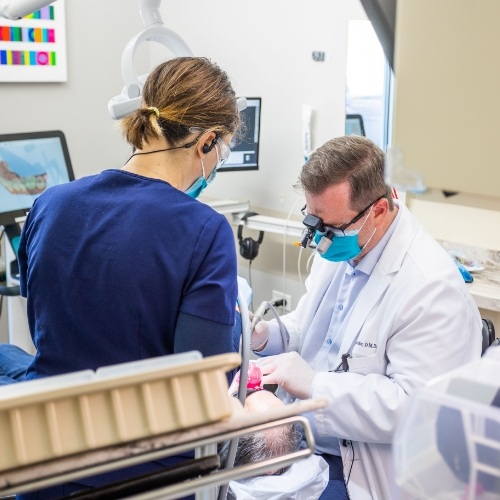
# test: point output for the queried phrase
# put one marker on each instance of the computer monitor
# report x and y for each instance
(245, 150)
(354, 125)
(30, 163)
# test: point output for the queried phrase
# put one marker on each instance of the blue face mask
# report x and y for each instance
(201, 183)
(338, 246)
(197, 187)
(342, 247)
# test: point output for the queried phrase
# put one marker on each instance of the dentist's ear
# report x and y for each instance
(380, 210)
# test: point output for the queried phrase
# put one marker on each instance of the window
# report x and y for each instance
(368, 82)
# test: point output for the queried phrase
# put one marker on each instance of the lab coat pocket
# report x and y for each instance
(364, 364)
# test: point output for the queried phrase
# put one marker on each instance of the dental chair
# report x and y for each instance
(488, 333)
(63, 428)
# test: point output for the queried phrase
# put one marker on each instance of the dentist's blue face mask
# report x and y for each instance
(201, 183)
(336, 244)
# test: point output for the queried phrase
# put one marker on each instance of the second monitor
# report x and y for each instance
(245, 149)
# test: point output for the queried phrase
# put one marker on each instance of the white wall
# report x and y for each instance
(266, 48)
(96, 32)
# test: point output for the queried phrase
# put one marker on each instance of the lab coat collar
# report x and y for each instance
(389, 263)
(369, 261)
(396, 249)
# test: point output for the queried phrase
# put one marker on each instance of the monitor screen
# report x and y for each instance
(30, 163)
(245, 149)
(354, 125)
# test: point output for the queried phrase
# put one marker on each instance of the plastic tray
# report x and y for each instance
(447, 446)
(67, 414)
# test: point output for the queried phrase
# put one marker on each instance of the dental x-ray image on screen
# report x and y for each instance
(245, 149)
(30, 163)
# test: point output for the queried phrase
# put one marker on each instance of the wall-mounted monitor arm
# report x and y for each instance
(154, 31)
(150, 12)
(16, 9)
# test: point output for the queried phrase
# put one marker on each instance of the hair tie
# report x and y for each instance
(155, 111)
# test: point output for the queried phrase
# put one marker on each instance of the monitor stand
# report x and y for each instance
(17, 317)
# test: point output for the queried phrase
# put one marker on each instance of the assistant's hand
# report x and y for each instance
(289, 371)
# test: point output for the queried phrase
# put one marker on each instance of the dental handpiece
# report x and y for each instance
(258, 315)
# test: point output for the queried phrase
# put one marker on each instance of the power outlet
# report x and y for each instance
(279, 296)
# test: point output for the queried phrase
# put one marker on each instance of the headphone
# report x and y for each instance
(249, 248)
(206, 149)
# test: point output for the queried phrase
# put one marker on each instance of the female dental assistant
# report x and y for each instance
(127, 264)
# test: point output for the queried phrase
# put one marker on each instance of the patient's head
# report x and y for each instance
(269, 443)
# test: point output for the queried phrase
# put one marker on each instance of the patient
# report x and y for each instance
(304, 479)
(266, 444)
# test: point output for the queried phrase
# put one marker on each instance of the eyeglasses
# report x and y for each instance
(314, 223)
(225, 151)
(221, 159)
(324, 228)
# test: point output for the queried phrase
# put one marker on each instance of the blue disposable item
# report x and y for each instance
(465, 274)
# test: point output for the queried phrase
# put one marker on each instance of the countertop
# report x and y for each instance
(485, 289)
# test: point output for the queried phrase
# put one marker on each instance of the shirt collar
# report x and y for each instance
(368, 262)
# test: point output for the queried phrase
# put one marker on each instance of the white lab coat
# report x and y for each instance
(414, 320)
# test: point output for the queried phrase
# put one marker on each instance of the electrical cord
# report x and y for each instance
(352, 463)
(309, 261)
(242, 392)
(1, 296)
(284, 242)
(261, 312)
(299, 272)
(9, 290)
(283, 331)
(250, 281)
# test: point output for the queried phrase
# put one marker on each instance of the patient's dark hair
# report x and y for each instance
(263, 445)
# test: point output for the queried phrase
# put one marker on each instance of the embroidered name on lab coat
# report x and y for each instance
(366, 344)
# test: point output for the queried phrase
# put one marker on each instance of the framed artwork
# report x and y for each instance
(33, 49)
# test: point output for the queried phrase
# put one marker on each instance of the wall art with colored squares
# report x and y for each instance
(33, 49)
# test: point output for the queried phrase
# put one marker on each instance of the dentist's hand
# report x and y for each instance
(260, 333)
(289, 371)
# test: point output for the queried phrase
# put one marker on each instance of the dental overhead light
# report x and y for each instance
(155, 31)
(16, 9)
